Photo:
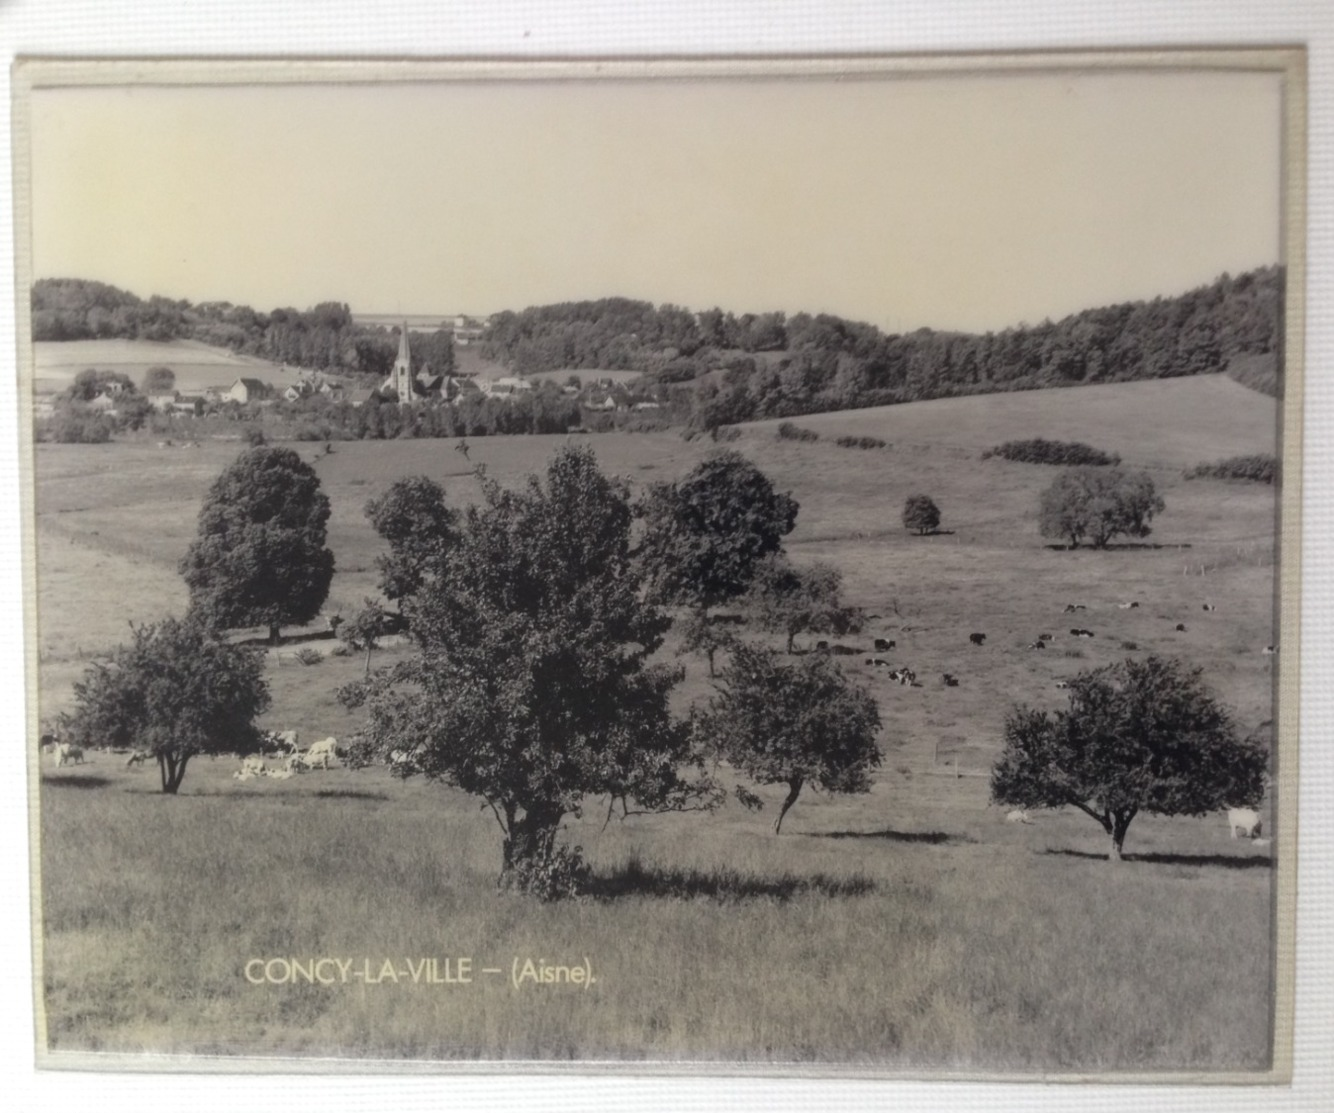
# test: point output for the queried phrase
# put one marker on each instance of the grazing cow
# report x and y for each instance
(1181, 627)
(879, 662)
(949, 680)
(883, 645)
(252, 766)
(1063, 684)
(1209, 607)
(1269, 650)
(1245, 820)
(1126, 606)
(322, 752)
(1080, 633)
(280, 774)
(1044, 637)
(295, 764)
(136, 758)
(1070, 608)
(1037, 645)
(284, 741)
(1017, 816)
(68, 754)
(977, 639)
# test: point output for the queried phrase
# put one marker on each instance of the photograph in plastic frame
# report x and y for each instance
(697, 566)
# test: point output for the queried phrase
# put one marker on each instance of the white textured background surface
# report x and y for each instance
(381, 28)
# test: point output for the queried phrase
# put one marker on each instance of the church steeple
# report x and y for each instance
(403, 369)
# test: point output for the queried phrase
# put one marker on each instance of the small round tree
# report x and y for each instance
(1138, 736)
(793, 724)
(921, 514)
(705, 535)
(788, 600)
(176, 690)
(413, 518)
(260, 558)
(159, 380)
(1098, 503)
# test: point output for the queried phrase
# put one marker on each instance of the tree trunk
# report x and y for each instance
(530, 840)
(794, 790)
(711, 651)
(791, 637)
(368, 660)
(273, 633)
(1117, 830)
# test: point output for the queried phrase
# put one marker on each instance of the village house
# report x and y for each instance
(246, 390)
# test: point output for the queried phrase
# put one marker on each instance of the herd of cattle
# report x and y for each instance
(289, 759)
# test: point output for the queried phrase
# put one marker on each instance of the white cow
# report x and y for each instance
(68, 754)
(253, 766)
(136, 758)
(1018, 816)
(283, 740)
(295, 764)
(1245, 820)
(322, 752)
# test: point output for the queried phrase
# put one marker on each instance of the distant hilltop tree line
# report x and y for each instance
(771, 365)
(323, 338)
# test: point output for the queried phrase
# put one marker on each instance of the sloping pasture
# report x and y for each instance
(911, 927)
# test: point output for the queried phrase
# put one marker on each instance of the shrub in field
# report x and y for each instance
(1140, 736)
(789, 432)
(860, 442)
(725, 434)
(308, 656)
(532, 686)
(793, 724)
(1261, 468)
(364, 630)
(176, 690)
(705, 535)
(1040, 451)
(1098, 503)
(69, 425)
(787, 600)
(920, 513)
(260, 558)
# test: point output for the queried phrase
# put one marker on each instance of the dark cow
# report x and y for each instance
(1044, 637)
(1037, 645)
(1080, 633)
(949, 681)
(1210, 607)
(1070, 608)
(883, 645)
(977, 639)
(1181, 627)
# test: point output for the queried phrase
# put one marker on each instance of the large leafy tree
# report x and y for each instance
(798, 725)
(1098, 504)
(413, 518)
(1139, 736)
(705, 535)
(176, 690)
(260, 557)
(532, 687)
(788, 600)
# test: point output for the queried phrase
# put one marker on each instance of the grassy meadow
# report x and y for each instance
(910, 928)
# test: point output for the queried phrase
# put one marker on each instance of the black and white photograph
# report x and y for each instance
(764, 565)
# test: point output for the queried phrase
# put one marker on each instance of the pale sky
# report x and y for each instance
(964, 201)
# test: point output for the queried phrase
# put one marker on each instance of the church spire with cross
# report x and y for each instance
(402, 377)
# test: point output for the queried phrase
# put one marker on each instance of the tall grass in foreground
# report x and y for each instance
(710, 939)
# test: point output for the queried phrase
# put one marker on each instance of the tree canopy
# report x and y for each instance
(159, 380)
(705, 535)
(176, 690)
(797, 724)
(260, 557)
(532, 686)
(1098, 504)
(788, 600)
(920, 513)
(1137, 736)
(413, 518)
